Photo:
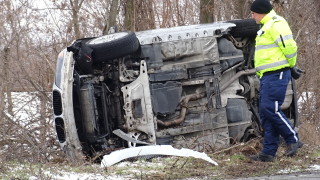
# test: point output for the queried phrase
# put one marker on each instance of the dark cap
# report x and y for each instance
(261, 6)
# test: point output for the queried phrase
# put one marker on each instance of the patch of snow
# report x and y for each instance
(314, 167)
(311, 168)
(80, 176)
(32, 178)
(25, 108)
(288, 171)
(25, 105)
(61, 174)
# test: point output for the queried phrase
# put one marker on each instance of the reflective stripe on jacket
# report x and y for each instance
(275, 46)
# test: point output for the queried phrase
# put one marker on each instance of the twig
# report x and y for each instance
(184, 163)
(235, 146)
(173, 165)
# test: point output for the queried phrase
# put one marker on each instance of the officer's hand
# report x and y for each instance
(296, 72)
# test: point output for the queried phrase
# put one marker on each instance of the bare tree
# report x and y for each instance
(206, 11)
(75, 7)
(9, 34)
(139, 15)
(111, 15)
(129, 11)
(176, 12)
(23, 72)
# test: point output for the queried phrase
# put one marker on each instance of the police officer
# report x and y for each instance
(275, 54)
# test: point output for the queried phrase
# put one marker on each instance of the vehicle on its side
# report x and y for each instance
(189, 86)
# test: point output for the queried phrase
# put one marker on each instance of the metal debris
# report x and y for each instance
(117, 156)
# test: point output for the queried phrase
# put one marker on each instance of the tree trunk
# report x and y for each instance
(43, 116)
(6, 78)
(206, 11)
(144, 15)
(129, 11)
(75, 7)
(242, 9)
(112, 16)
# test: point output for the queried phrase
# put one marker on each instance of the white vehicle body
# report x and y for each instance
(190, 86)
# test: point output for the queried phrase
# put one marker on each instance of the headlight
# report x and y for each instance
(59, 68)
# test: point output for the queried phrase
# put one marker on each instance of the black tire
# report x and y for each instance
(244, 28)
(111, 46)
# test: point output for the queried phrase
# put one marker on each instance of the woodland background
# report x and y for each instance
(33, 32)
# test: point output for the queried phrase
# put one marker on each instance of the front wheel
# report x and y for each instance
(111, 46)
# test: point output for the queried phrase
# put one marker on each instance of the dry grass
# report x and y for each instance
(233, 163)
(309, 133)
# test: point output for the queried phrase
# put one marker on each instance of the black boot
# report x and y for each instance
(292, 149)
(262, 157)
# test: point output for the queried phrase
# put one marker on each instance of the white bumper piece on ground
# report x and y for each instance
(117, 156)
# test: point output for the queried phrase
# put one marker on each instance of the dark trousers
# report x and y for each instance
(273, 88)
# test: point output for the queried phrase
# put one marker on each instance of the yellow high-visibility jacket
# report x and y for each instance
(275, 46)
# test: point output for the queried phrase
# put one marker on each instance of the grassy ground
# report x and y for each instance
(233, 163)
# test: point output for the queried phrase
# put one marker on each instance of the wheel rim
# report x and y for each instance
(108, 38)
